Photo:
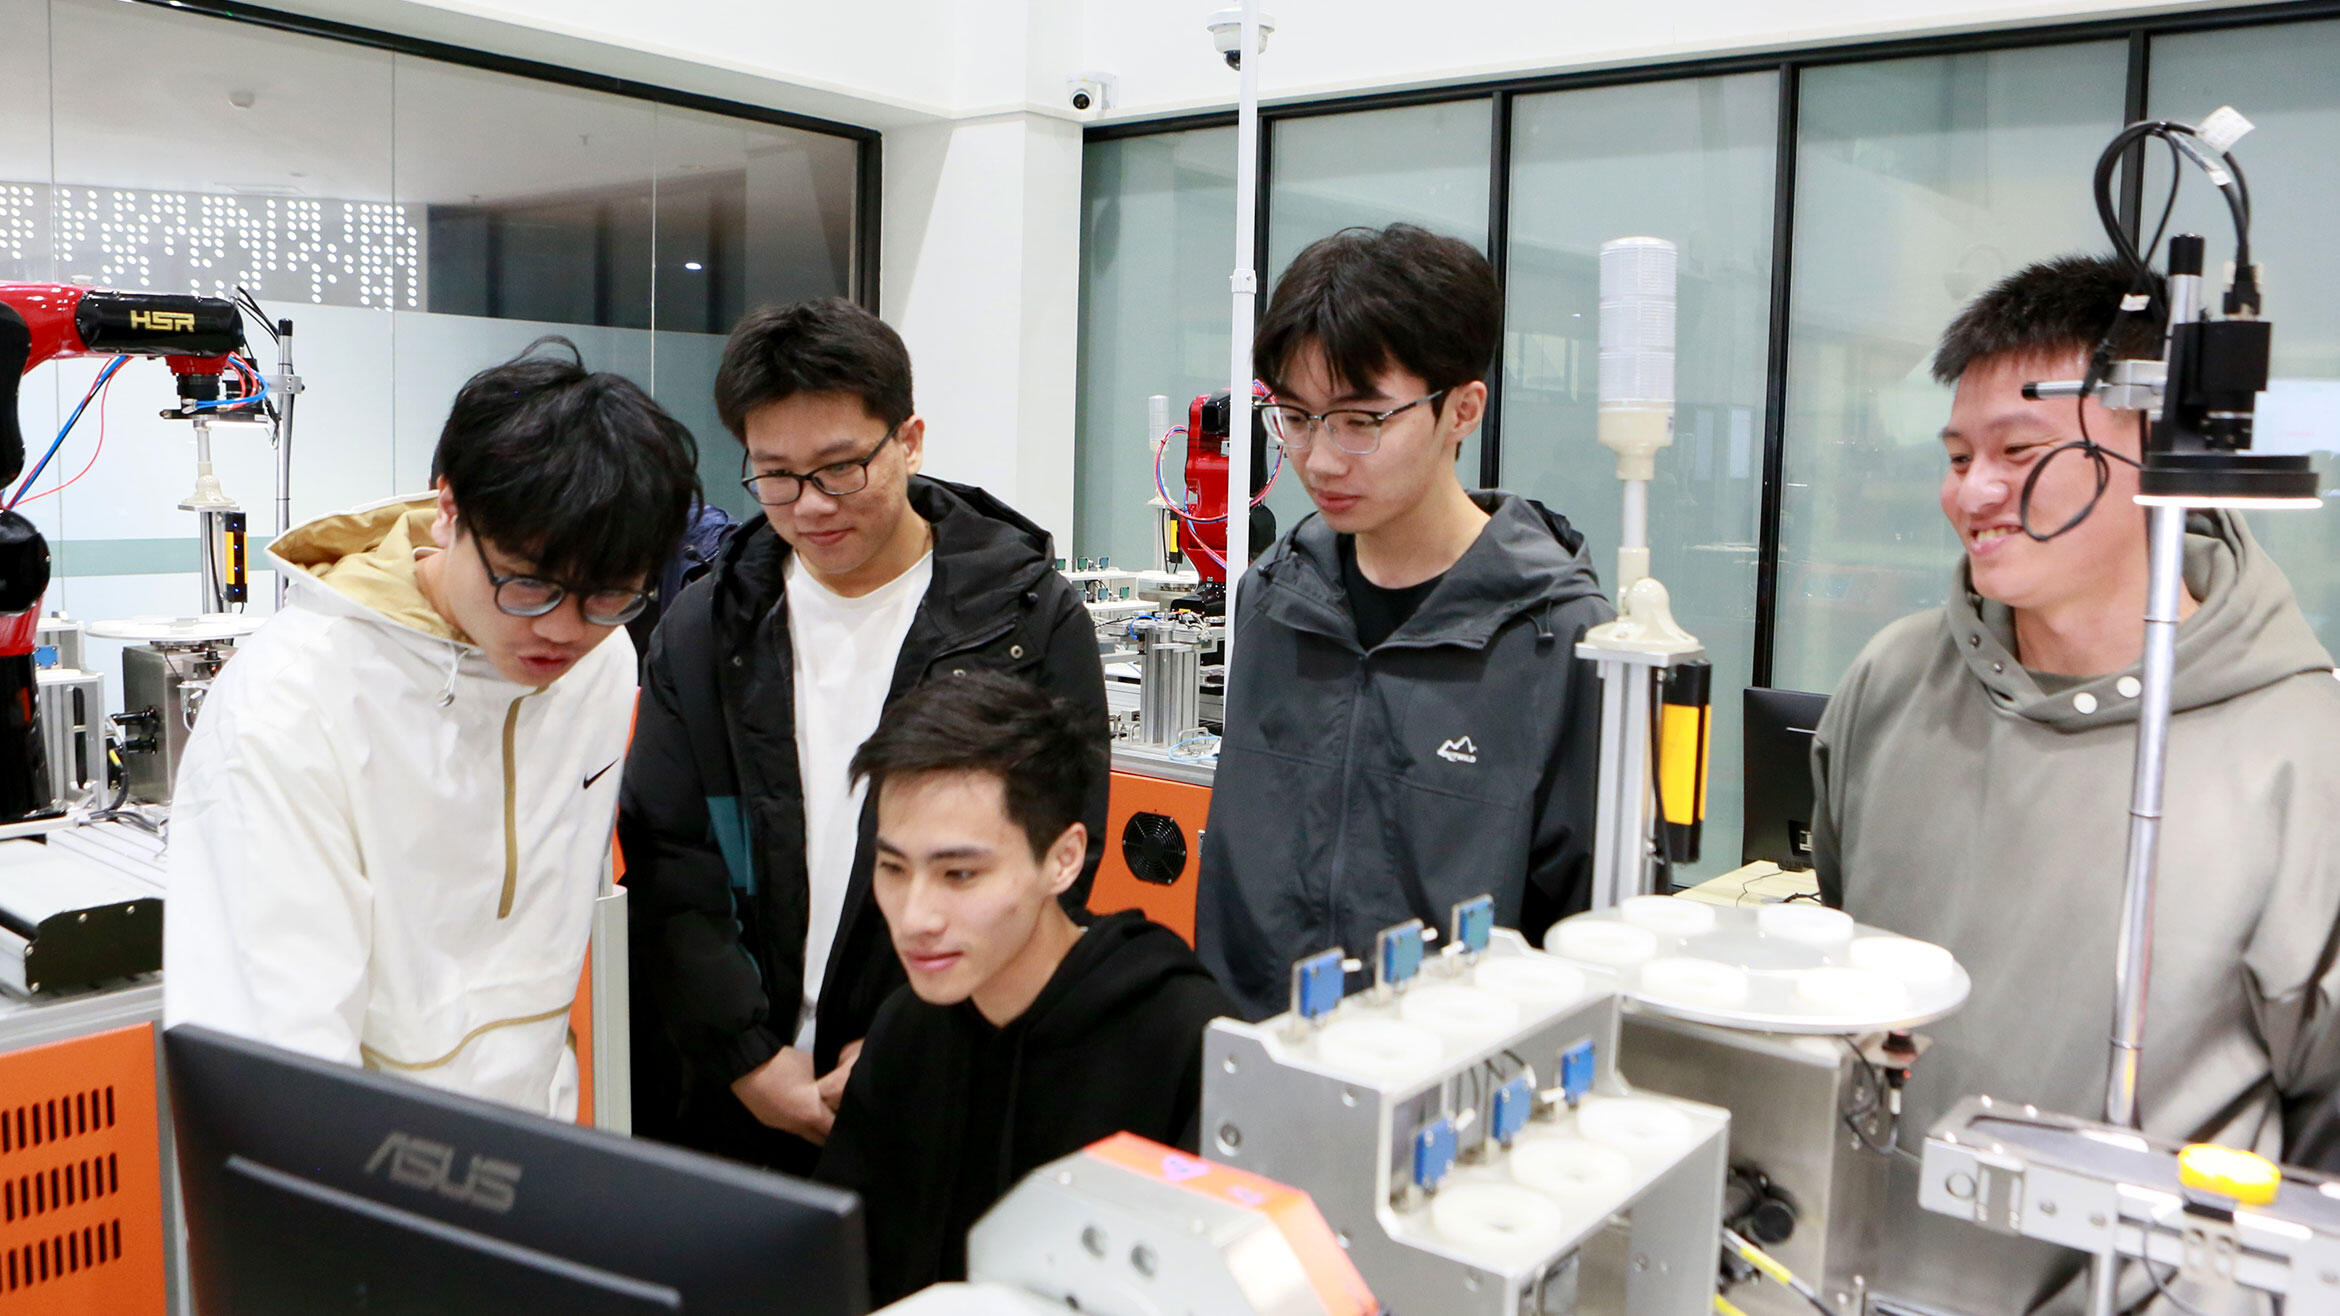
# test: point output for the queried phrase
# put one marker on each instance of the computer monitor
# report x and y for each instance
(319, 1189)
(1777, 729)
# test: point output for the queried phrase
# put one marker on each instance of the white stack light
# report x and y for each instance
(1637, 378)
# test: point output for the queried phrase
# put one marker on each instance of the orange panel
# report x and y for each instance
(1326, 1263)
(1117, 888)
(581, 1037)
(81, 1178)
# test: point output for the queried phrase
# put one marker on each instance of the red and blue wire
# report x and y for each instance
(257, 394)
(104, 377)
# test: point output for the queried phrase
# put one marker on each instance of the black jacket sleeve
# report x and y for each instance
(1071, 670)
(686, 934)
(1560, 853)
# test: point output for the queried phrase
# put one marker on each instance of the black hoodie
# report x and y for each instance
(944, 1113)
(711, 813)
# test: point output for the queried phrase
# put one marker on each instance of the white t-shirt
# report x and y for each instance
(845, 652)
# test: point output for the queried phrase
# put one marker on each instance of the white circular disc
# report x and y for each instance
(1852, 990)
(1695, 982)
(1670, 915)
(1534, 980)
(1570, 1168)
(183, 630)
(1633, 1124)
(1459, 1013)
(1499, 1218)
(1918, 963)
(1601, 941)
(1378, 1048)
(1812, 925)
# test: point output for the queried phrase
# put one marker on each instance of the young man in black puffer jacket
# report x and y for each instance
(748, 849)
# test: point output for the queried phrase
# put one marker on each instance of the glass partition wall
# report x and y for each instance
(418, 219)
(1834, 209)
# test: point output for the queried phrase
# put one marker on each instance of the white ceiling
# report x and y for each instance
(140, 97)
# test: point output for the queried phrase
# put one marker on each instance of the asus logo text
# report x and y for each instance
(419, 1163)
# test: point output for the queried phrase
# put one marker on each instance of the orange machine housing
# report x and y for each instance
(1153, 849)
(81, 1217)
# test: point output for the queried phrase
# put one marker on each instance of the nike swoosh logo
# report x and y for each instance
(599, 775)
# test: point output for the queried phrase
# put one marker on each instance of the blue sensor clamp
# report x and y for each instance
(1513, 1103)
(1576, 1071)
(1316, 984)
(1474, 924)
(1433, 1154)
(1398, 953)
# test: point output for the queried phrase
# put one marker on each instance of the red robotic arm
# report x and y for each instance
(46, 322)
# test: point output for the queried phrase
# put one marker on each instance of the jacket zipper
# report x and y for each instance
(511, 807)
(1332, 880)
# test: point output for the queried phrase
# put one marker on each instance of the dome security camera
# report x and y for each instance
(1090, 93)
(1227, 33)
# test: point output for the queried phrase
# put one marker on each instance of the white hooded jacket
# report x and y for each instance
(382, 852)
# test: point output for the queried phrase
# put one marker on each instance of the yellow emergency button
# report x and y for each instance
(2247, 1177)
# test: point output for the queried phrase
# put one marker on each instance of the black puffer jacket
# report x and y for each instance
(711, 816)
(1357, 789)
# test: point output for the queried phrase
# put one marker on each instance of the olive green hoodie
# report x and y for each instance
(1961, 802)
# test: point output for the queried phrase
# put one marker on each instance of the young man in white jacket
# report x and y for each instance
(395, 811)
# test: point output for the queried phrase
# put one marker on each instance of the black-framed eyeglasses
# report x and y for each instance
(1354, 430)
(837, 479)
(529, 596)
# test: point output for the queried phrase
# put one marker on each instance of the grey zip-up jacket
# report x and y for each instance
(1961, 802)
(1356, 789)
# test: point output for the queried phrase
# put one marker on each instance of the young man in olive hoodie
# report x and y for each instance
(1022, 1035)
(1973, 771)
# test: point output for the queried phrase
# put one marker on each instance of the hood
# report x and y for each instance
(2247, 634)
(363, 560)
(1121, 959)
(1527, 557)
(985, 554)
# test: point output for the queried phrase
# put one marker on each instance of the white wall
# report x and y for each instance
(1165, 62)
(982, 269)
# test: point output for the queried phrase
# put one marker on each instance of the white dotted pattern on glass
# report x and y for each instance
(315, 249)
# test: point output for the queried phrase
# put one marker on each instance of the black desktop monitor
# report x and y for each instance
(318, 1189)
(1778, 729)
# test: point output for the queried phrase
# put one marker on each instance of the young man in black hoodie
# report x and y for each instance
(748, 849)
(1407, 723)
(1022, 1035)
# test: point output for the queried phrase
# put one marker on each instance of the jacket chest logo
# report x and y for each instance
(1459, 750)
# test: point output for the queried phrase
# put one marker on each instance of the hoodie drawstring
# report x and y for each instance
(1544, 633)
(454, 665)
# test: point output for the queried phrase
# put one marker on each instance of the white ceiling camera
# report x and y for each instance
(1090, 93)
(1227, 33)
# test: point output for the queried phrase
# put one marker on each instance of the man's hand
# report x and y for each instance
(833, 1083)
(783, 1094)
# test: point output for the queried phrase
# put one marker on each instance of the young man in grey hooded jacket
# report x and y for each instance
(1407, 723)
(1973, 771)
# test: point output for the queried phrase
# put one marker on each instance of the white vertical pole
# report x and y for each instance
(1245, 286)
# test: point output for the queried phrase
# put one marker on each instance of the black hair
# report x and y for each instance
(1039, 746)
(1373, 298)
(576, 470)
(2054, 308)
(828, 345)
